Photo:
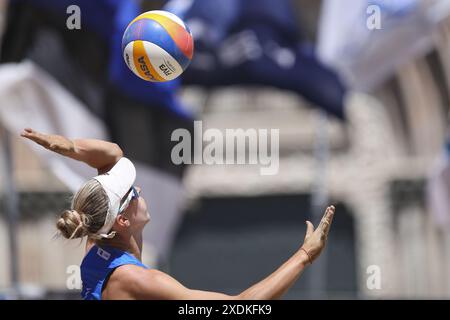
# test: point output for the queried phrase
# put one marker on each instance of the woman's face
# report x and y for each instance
(137, 212)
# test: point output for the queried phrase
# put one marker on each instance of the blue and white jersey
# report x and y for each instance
(98, 265)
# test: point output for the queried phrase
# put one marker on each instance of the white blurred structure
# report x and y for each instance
(384, 36)
(393, 135)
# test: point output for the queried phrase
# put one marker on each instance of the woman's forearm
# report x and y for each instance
(279, 282)
(98, 154)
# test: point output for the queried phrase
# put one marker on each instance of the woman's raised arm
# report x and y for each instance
(99, 154)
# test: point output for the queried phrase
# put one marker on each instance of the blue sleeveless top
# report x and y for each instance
(98, 265)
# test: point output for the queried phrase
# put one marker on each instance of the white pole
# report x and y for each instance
(319, 201)
(10, 206)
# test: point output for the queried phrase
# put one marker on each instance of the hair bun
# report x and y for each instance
(71, 224)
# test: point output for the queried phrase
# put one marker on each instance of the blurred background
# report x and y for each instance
(359, 90)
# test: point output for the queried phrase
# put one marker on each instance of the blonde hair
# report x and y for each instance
(88, 212)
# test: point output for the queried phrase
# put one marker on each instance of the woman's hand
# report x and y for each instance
(315, 240)
(55, 143)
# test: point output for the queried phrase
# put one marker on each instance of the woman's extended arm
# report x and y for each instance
(99, 154)
(138, 283)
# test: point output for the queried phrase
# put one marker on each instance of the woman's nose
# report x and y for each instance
(138, 189)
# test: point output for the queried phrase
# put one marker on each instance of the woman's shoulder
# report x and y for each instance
(128, 280)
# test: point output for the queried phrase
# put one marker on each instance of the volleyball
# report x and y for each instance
(157, 46)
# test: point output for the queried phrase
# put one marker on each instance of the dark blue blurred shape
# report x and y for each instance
(256, 42)
(237, 42)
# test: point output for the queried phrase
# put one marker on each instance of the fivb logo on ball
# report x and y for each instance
(157, 46)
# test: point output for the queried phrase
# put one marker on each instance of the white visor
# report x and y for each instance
(117, 182)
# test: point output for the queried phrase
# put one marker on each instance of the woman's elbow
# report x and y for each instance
(117, 151)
